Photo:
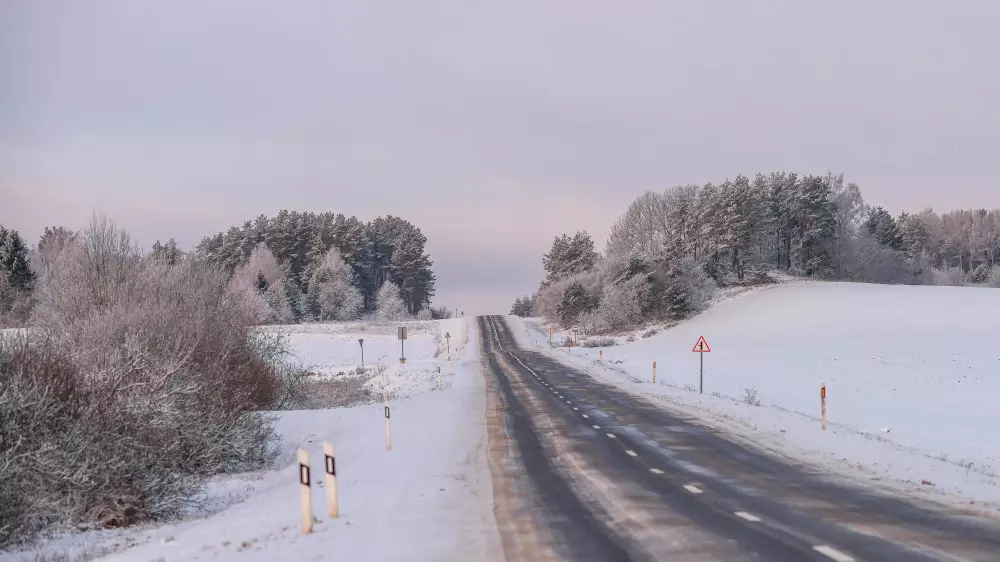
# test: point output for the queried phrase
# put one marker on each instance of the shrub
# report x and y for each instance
(951, 277)
(441, 313)
(980, 274)
(141, 377)
(994, 278)
(750, 396)
(598, 342)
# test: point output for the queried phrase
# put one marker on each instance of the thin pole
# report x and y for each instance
(701, 374)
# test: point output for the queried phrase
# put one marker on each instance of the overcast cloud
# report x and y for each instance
(494, 126)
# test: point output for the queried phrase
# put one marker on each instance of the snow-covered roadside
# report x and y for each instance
(912, 374)
(429, 498)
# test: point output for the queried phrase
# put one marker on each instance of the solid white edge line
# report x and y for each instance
(833, 553)
(631, 453)
(656, 471)
(749, 517)
(692, 489)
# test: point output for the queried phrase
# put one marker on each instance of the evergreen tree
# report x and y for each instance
(569, 255)
(14, 262)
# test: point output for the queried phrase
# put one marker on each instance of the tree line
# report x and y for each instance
(307, 266)
(670, 250)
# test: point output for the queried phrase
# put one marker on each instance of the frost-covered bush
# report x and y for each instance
(980, 274)
(994, 278)
(389, 305)
(425, 314)
(950, 277)
(143, 377)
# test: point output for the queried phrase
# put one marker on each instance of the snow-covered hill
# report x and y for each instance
(912, 376)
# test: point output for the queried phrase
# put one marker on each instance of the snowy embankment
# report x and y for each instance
(912, 376)
(429, 498)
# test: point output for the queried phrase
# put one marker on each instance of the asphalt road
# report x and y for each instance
(584, 471)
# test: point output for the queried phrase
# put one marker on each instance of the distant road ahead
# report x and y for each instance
(584, 471)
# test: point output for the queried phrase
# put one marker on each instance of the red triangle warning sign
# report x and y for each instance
(701, 346)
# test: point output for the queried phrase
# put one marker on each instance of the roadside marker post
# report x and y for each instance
(822, 399)
(304, 492)
(330, 464)
(388, 430)
(701, 348)
(439, 377)
(447, 338)
(654, 372)
(600, 356)
(550, 338)
(402, 338)
(361, 342)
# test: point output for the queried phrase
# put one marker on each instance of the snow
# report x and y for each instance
(429, 498)
(332, 350)
(912, 376)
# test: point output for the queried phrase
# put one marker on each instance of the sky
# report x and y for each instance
(494, 126)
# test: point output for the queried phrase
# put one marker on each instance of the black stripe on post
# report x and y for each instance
(331, 466)
(304, 474)
(386, 412)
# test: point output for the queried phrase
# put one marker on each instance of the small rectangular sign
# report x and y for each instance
(402, 332)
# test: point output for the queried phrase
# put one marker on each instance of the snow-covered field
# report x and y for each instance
(912, 376)
(429, 498)
(332, 351)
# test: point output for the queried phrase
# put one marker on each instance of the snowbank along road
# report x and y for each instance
(584, 471)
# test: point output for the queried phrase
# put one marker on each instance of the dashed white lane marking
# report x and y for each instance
(692, 489)
(656, 471)
(585, 416)
(833, 554)
(749, 517)
(610, 435)
(597, 427)
(575, 409)
(631, 453)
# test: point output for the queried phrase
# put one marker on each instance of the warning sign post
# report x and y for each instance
(701, 348)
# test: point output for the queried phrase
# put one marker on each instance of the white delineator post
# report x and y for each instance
(654, 372)
(304, 492)
(388, 431)
(332, 509)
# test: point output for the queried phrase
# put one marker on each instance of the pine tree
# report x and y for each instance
(14, 263)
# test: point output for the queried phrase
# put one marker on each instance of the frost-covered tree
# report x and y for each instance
(14, 261)
(575, 300)
(523, 306)
(569, 255)
(332, 294)
(389, 305)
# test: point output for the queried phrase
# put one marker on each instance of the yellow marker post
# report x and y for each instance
(822, 398)
(304, 492)
(654, 372)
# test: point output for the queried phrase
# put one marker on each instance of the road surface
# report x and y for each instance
(583, 471)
